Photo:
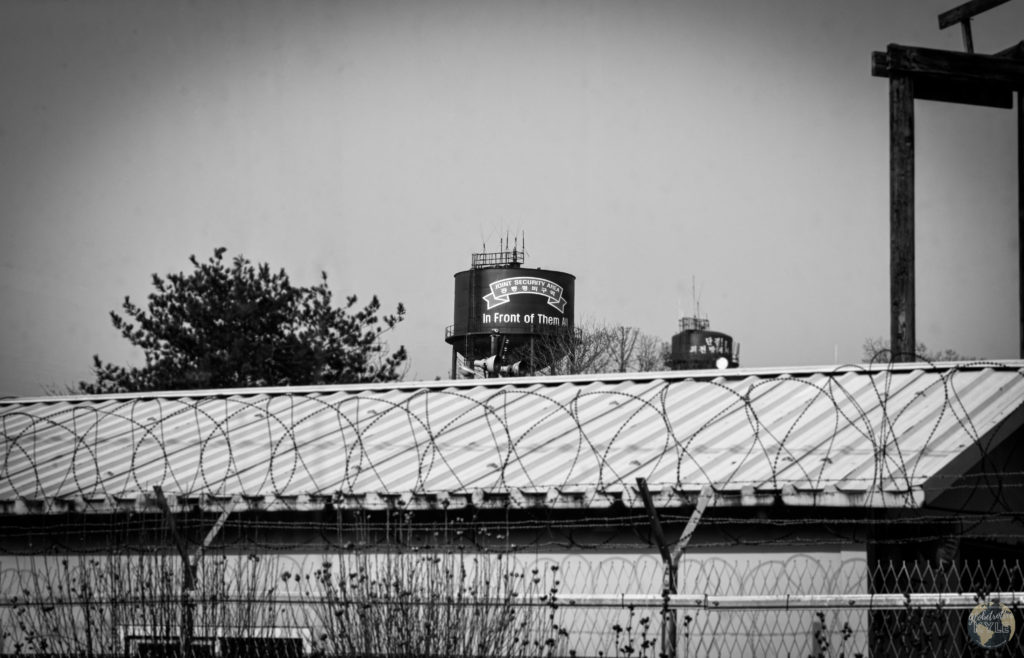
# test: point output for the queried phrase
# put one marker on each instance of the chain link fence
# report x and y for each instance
(459, 604)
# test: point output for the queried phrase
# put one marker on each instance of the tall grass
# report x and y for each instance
(441, 604)
(447, 603)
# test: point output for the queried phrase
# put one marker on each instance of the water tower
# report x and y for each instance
(696, 347)
(508, 319)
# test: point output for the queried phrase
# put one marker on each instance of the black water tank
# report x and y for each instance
(520, 304)
(696, 347)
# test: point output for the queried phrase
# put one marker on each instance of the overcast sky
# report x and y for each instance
(641, 146)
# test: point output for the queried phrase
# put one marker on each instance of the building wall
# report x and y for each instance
(236, 590)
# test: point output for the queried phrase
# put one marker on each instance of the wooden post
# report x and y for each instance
(947, 76)
(901, 218)
(965, 28)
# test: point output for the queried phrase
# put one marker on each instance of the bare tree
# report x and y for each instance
(598, 348)
(652, 354)
(877, 350)
(621, 345)
(581, 349)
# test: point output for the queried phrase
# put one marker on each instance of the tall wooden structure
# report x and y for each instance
(952, 77)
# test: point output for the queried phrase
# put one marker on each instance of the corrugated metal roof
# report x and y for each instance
(818, 436)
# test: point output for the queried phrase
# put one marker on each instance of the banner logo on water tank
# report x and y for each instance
(505, 288)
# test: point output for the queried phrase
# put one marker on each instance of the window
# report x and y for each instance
(152, 646)
(140, 642)
(260, 647)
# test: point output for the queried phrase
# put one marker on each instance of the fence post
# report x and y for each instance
(190, 567)
(670, 555)
(188, 576)
(669, 580)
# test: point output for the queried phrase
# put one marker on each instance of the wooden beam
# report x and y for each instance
(965, 11)
(931, 88)
(965, 29)
(880, 64)
(903, 337)
(948, 66)
(968, 93)
(1015, 51)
